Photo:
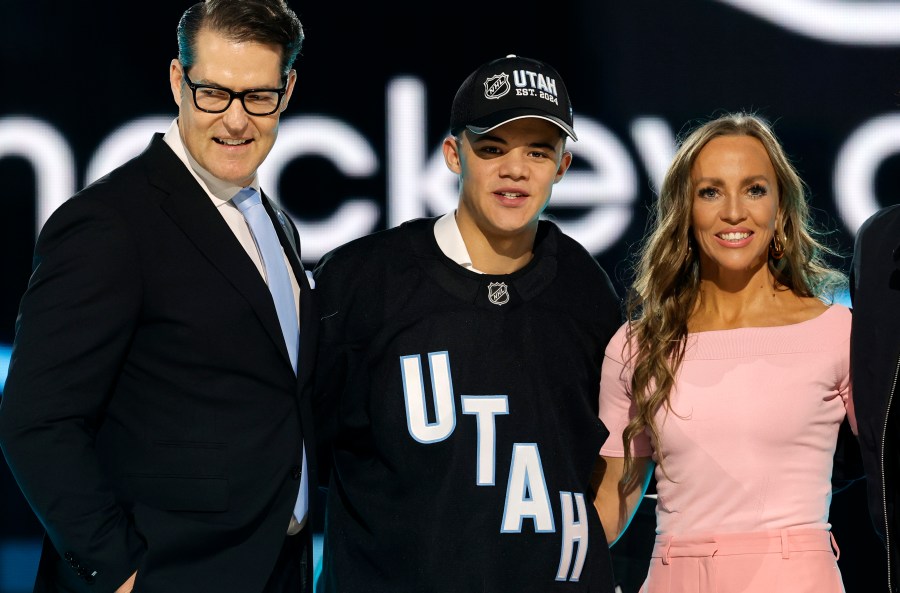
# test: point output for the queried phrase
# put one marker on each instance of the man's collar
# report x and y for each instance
(450, 240)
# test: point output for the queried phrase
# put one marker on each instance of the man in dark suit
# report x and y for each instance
(875, 364)
(156, 415)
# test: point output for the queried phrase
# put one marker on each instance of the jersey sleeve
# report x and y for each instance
(616, 406)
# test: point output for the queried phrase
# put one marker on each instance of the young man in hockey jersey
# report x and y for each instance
(459, 370)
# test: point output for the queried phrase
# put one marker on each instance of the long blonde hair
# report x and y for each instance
(667, 272)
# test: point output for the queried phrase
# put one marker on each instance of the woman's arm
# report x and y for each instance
(615, 502)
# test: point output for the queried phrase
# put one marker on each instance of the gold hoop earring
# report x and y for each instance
(776, 249)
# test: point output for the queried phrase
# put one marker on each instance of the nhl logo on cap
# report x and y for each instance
(496, 86)
(511, 88)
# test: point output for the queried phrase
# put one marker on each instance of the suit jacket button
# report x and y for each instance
(295, 472)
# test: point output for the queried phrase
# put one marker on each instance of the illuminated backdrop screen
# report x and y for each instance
(86, 83)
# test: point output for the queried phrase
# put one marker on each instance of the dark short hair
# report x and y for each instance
(270, 22)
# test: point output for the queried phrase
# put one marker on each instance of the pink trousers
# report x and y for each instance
(785, 561)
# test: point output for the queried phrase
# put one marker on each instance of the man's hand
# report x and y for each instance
(128, 585)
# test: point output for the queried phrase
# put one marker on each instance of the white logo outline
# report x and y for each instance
(496, 86)
(498, 293)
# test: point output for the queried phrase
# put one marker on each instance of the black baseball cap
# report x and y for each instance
(511, 88)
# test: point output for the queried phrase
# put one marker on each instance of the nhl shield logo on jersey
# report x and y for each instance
(496, 86)
(498, 293)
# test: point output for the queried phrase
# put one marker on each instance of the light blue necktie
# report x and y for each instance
(249, 202)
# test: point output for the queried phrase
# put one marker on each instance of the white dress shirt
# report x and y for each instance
(449, 239)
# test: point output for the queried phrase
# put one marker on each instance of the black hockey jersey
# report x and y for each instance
(459, 412)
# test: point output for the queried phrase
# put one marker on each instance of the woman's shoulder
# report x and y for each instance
(820, 312)
(616, 347)
(838, 314)
(795, 309)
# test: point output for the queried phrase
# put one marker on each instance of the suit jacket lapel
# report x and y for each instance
(191, 209)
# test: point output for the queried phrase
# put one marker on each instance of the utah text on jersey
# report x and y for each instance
(527, 495)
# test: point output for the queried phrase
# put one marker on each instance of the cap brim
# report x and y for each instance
(554, 120)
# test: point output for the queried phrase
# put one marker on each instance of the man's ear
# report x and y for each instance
(451, 150)
(292, 80)
(176, 78)
(564, 163)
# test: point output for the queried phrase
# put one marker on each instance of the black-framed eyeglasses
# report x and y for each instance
(216, 99)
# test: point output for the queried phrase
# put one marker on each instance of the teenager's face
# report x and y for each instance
(507, 174)
(231, 145)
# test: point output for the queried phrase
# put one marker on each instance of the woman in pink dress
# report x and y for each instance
(731, 378)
